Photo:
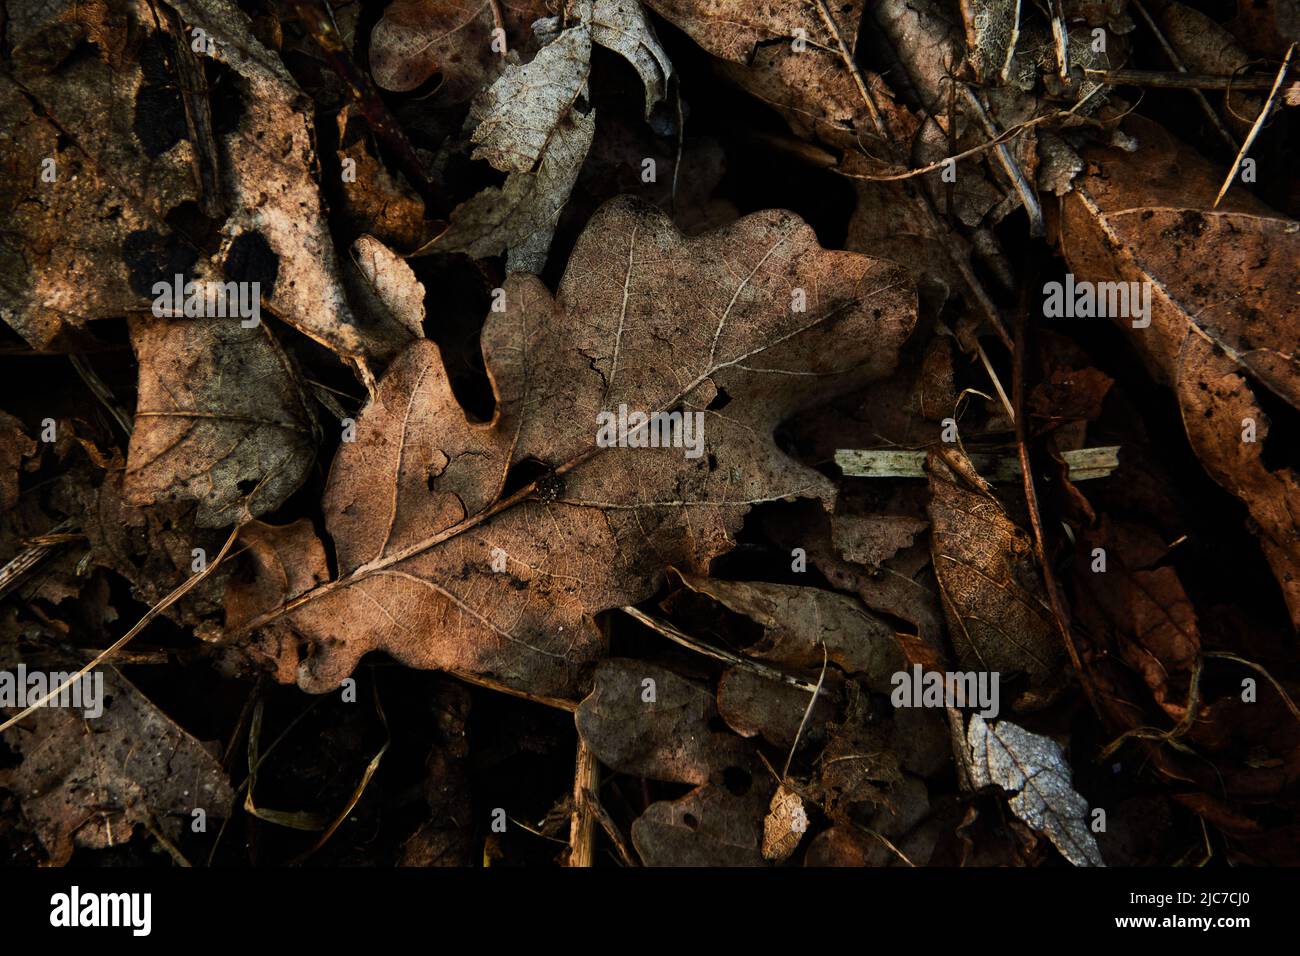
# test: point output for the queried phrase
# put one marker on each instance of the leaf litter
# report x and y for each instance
(492, 248)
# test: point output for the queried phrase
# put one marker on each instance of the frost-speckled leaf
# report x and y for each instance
(1034, 769)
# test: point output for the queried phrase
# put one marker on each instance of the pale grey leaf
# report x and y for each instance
(1033, 768)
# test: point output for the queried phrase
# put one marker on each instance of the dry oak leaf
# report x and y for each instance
(1223, 312)
(644, 318)
(732, 31)
(1034, 769)
(798, 621)
(525, 124)
(89, 782)
(266, 172)
(710, 826)
(221, 419)
(645, 720)
(417, 38)
(993, 599)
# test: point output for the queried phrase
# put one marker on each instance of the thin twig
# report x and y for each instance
(32, 555)
(1010, 165)
(1054, 595)
(1286, 698)
(101, 392)
(1259, 124)
(999, 139)
(478, 680)
(366, 777)
(610, 827)
(717, 653)
(582, 821)
(847, 56)
(812, 702)
(1178, 65)
(122, 641)
(1178, 81)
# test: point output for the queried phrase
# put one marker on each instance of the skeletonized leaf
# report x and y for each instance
(517, 116)
(1034, 769)
(988, 576)
(645, 319)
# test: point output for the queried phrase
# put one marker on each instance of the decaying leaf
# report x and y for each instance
(710, 826)
(998, 617)
(752, 704)
(151, 548)
(89, 783)
(857, 769)
(621, 26)
(1223, 309)
(274, 234)
(275, 201)
(1034, 769)
(645, 319)
(874, 539)
(519, 216)
(784, 826)
(221, 419)
(527, 124)
(389, 285)
(417, 38)
(797, 622)
(644, 720)
(515, 118)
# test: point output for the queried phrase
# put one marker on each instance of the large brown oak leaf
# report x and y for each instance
(644, 317)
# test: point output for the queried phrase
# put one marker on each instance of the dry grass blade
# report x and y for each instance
(126, 638)
(685, 640)
(1258, 125)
